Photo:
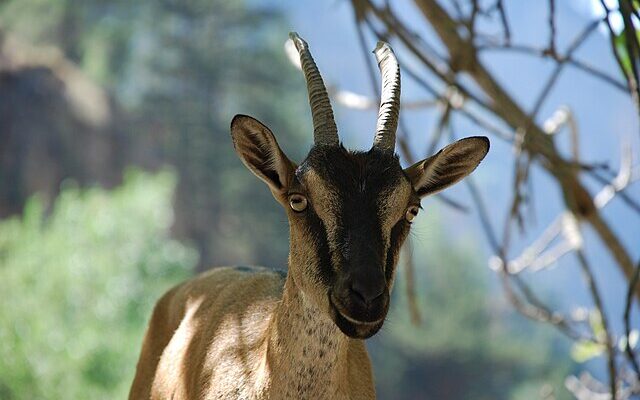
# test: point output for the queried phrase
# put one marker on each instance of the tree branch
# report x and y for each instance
(607, 339)
(576, 197)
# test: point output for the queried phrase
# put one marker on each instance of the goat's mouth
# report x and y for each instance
(352, 327)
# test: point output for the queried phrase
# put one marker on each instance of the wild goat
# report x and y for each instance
(254, 333)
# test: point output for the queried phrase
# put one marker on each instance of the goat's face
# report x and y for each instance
(359, 207)
(349, 212)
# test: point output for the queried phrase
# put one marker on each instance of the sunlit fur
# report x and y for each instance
(252, 333)
(247, 334)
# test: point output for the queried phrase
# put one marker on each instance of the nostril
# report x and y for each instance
(358, 294)
(366, 293)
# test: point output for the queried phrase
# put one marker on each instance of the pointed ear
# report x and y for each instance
(448, 166)
(257, 148)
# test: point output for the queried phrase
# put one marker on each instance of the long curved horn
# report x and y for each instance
(324, 125)
(390, 99)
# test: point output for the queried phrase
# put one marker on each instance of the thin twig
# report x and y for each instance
(611, 190)
(537, 52)
(505, 22)
(482, 211)
(575, 44)
(472, 19)
(537, 313)
(608, 339)
(458, 8)
(464, 111)
(443, 121)
(365, 58)
(552, 27)
(414, 310)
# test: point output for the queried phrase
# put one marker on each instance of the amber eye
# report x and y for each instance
(298, 202)
(411, 213)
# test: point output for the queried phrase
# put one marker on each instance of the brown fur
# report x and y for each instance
(223, 334)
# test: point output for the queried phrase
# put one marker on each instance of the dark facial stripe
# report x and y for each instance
(398, 235)
(358, 180)
(359, 234)
(323, 253)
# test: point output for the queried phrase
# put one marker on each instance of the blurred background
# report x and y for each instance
(118, 180)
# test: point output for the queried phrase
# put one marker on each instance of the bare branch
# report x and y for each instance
(443, 122)
(472, 19)
(482, 212)
(453, 97)
(533, 51)
(607, 339)
(538, 312)
(575, 44)
(414, 310)
(505, 22)
(538, 255)
(564, 117)
(552, 27)
(536, 142)
(626, 175)
(586, 387)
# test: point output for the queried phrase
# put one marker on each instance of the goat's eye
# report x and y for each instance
(411, 213)
(298, 202)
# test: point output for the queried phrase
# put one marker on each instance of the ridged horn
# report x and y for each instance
(324, 125)
(390, 99)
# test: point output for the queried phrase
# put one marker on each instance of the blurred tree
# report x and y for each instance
(56, 123)
(224, 60)
(79, 285)
(181, 70)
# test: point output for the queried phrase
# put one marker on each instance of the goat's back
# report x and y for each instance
(208, 329)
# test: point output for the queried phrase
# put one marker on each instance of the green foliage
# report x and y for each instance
(624, 50)
(78, 286)
(620, 47)
(585, 350)
(469, 345)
